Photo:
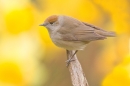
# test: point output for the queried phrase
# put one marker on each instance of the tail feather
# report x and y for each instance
(106, 33)
(109, 34)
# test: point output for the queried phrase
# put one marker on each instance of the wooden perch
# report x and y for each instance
(77, 76)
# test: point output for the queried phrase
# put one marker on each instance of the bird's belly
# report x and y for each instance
(70, 45)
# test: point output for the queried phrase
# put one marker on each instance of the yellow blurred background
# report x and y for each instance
(29, 58)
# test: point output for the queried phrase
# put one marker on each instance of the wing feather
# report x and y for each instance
(79, 31)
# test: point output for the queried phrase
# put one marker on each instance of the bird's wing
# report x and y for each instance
(82, 32)
(92, 26)
(101, 31)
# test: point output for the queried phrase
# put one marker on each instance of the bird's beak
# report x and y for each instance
(44, 24)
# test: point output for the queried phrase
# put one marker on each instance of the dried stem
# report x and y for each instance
(77, 76)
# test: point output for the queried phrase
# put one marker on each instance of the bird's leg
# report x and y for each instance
(71, 58)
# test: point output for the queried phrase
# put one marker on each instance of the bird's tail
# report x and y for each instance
(106, 33)
(109, 34)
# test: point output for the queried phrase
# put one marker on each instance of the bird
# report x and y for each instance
(72, 34)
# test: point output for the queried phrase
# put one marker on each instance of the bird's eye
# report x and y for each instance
(51, 22)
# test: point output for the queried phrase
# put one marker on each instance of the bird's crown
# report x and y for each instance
(52, 19)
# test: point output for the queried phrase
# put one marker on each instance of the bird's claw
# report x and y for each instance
(68, 61)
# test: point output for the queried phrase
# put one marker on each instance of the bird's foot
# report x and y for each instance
(68, 61)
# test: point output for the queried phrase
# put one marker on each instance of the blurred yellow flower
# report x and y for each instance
(19, 20)
(19, 57)
(120, 76)
(18, 15)
(10, 73)
(118, 11)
